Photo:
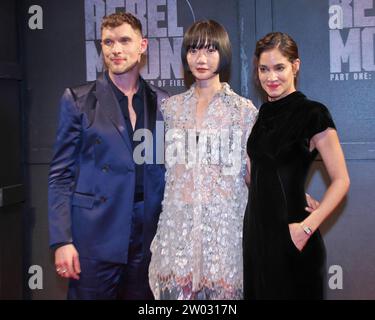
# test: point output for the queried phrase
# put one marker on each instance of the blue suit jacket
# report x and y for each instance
(92, 174)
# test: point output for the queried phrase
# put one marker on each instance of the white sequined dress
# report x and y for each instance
(197, 249)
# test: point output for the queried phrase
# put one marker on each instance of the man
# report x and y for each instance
(104, 205)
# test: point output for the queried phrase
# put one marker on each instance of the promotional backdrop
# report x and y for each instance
(336, 42)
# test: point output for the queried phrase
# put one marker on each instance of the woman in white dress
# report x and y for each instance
(197, 250)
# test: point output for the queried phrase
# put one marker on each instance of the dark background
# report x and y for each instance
(36, 65)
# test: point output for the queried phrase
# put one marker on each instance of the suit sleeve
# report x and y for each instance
(63, 170)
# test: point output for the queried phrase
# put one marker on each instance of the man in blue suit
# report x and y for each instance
(104, 203)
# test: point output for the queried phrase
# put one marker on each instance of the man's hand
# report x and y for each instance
(67, 262)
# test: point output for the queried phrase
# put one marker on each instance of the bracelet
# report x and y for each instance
(306, 229)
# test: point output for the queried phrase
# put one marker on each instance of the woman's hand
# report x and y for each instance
(312, 203)
(299, 237)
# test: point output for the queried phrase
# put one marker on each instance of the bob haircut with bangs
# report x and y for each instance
(208, 34)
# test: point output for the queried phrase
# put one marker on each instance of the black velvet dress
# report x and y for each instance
(278, 148)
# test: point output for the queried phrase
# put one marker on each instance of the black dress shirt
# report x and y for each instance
(138, 105)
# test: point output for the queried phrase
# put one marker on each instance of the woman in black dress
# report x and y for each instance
(284, 254)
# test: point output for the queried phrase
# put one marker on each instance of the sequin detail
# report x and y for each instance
(197, 249)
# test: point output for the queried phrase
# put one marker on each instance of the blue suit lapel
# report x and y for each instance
(109, 104)
(150, 107)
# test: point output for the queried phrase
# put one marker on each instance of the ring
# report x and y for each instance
(58, 269)
(63, 271)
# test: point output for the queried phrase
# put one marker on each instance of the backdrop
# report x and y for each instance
(336, 41)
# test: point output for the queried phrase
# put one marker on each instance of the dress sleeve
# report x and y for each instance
(253, 118)
(319, 120)
(163, 106)
(165, 109)
(250, 114)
